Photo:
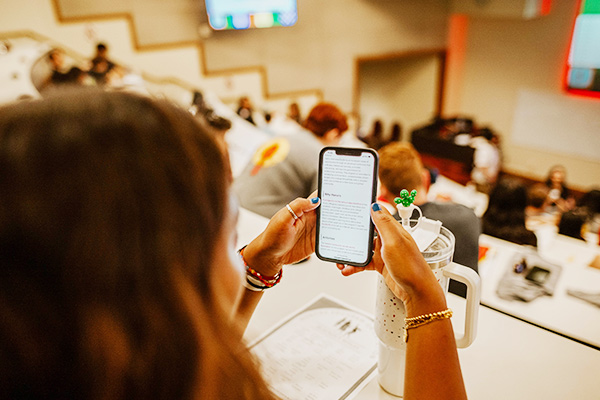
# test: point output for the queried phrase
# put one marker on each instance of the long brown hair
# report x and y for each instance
(110, 209)
(505, 215)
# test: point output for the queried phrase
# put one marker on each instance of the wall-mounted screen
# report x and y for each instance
(246, 14)
(583, 68)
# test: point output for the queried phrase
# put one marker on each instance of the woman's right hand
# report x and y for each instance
(397, 257)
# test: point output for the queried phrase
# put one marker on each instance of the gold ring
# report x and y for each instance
(291, 212)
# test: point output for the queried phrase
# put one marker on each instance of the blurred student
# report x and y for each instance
(396, 133)
(400, 168)
(537, 212)
(294, 113)
(374, 138)
(101, 67)
(59, 73)
(505, 215)
(486, 159)
(559, 195)
(583, 221)
(245, 110)
(287, 167)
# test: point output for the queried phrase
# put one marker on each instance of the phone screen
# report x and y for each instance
(347, 188)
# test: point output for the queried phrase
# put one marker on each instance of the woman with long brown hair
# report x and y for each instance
(119, 277)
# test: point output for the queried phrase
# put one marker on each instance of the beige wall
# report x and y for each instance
(155, 21)
(319, 51)
(398, 90)
(503, 58)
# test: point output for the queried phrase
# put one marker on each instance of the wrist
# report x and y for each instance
(258, 259)
(426, 300)
(256, 281)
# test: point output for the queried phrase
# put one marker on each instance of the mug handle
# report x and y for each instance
(473, 281)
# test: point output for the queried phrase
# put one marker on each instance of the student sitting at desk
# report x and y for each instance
(119, 276)
(505, 215)
(287, 167)
(559, 195)
(400, 168)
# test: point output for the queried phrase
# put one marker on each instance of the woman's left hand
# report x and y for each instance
(286, 240)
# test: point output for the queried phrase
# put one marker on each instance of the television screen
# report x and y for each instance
(246, 14)
(583, 65)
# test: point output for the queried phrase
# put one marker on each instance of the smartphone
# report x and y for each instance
(347, 188)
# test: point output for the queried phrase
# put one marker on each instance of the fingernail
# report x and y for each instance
(376, 207)
(314, 200)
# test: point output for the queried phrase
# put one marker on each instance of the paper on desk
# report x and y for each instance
(325, 351)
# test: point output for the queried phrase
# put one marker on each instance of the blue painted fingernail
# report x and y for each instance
(376, 207)
(314, 200)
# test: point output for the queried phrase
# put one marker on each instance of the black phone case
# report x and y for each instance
(348, 150)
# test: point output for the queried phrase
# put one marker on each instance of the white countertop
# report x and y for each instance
(560, 312)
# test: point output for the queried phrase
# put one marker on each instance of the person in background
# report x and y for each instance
(294, 113)
(101, 67)
(245, 110)
(571, 223)
(590, 202)
(537, 212)
(120, 278)
(76, 76)
(287, 167)
(583, 221)
(396, 133)
(213, 124)
(400, 168)
(374, 139)
(486, 160)
(59, 75)
(559, 195)
(505, 215)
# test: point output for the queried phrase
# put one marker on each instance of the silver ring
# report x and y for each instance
(291, 212)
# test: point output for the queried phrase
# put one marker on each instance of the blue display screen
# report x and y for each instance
(246, 14)
(583, 69)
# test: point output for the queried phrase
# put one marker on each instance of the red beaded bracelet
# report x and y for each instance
(268, 281)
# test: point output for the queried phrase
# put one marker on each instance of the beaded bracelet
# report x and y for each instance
(256, 281)
(415, 322)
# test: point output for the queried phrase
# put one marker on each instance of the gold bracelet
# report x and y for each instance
(415, 322)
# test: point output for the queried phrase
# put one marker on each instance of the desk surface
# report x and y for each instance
(509, 359)
(454, 191)
(561, 312)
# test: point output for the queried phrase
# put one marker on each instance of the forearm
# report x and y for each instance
(432, 365)
(248, 302)
(254, 257)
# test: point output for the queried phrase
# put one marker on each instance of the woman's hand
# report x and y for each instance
(397, 257)
(285, 240)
